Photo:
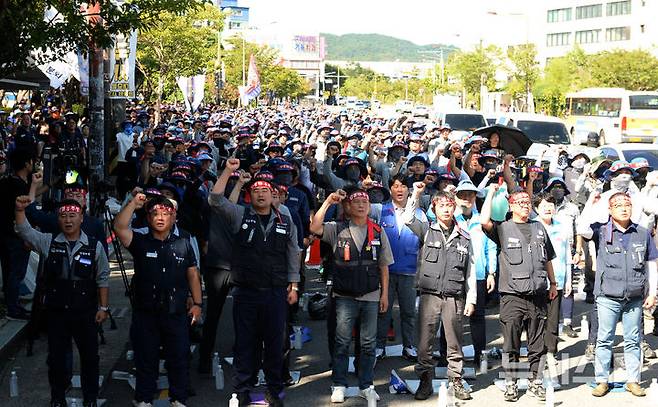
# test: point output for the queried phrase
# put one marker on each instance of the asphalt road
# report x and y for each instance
(313, 363)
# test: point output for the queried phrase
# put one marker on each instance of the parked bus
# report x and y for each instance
(616, 115)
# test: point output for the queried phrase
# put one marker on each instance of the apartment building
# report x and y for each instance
(594, 26)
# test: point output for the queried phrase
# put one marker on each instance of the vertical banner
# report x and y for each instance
(83, 69)
(252, 90)
(193, 88)
(122, 66)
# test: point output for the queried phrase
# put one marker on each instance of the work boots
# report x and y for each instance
(425, 389)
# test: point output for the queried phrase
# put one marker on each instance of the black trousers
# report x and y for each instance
(217, 282)
(149, 331)
(553, 323)
(519, 312)
(259, 319)
(81, 327)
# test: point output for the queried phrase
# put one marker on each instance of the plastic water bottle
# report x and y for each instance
(584, 327)
(234, 402)
(215, 363)
(372, 399)
(653, 391)
(450, 396)
(550, 394)
(298, 337)
(219, 377)
(484, 362)
(13, 384)
(443, 395)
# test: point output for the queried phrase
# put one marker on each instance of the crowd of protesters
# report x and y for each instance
(232, 200)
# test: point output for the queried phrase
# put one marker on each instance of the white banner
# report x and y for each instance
(83, 70)
(122, 67)
(193, 88)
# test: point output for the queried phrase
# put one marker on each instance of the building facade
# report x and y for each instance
(238, 16)
(594, 26)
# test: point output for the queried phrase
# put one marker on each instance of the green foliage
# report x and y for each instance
(275, 79)
(376, 47)
(27, 35)
(632, 70)
(476, 68)
(177, 45)
(525, 74)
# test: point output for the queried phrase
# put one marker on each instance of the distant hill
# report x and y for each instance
(377, 47)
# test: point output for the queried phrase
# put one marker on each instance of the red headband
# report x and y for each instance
(69, 208)
(77, 190)
(358, 194)
(161, 207)
(261, 184)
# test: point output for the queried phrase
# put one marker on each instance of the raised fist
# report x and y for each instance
(22, 202)
(232, 164)
(139, 201)
(37, 178)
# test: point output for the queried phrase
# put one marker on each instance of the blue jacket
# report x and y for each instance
(404, 243)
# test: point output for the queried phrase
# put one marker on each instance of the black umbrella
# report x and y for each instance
(512, 140)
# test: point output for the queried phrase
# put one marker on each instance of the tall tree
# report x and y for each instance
(177, 45)
(32, 39)
(632, 70)
(476, 68)
(525, 72)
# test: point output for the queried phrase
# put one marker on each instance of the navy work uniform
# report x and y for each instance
(265, 260)
(525, 248)
(160, 291)
(73, 273)
(447, 282)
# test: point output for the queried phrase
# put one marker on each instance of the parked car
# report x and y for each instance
(404, 106)
(421, 111)
(539, 128)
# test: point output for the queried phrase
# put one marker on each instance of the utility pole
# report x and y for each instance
(97, 93)
(244, 77)
(436, 53)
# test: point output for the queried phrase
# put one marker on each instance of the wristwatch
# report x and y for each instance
(104, 309)
(200, 305)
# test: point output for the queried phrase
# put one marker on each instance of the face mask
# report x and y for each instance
(284, 178)
(352, 173)
(376, 196)
(621, 182)
(578, 164)
(558, 194)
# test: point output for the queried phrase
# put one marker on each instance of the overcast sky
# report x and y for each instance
(461, 22)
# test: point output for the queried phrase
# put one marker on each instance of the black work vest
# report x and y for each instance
(356, 273)
(260, 257)
(444, 265)
(160, 281)
(620, 271)
(522, 264)
(71, 285)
